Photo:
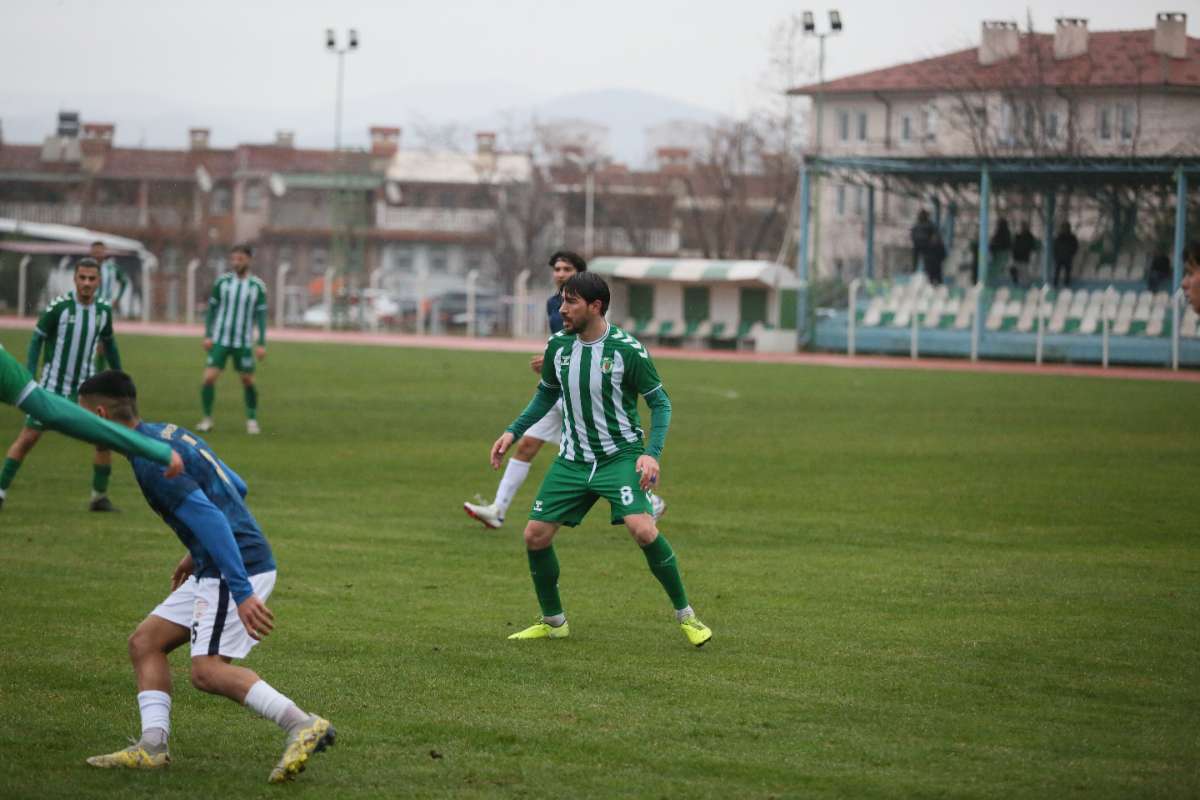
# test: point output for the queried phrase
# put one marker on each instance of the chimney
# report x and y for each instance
(1070, 37)
(198, 138)
(673, 160)
(385, 141)
(68, 124)
(285, 139)
(1170, 34)
(485, 143)
(999, 41)
(99, 132)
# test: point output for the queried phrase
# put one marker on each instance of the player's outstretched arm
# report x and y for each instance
(35, 349)
(500, 448)
(65, 417)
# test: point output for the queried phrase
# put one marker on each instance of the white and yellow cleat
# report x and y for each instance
(252, 427)
(697, 632)
(543, 630)
(136, 756)
(205, 425)
(315, 736)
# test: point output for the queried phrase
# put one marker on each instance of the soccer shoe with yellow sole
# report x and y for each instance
(315, 735)
(136, 756)
(697, 632)
(487, 513)
(543, 630)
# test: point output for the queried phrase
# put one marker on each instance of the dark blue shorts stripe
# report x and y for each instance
(214, 642)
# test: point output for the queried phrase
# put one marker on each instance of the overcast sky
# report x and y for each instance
(262, 58)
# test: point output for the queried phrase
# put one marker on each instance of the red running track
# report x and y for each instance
(531, 346)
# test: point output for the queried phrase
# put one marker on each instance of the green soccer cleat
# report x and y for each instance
(316, 735)
(543, 630)
(697, 632)
(136, 756)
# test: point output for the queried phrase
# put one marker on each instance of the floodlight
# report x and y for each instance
(835, 21)
(330, 41)
(353, 39)
(809, 25)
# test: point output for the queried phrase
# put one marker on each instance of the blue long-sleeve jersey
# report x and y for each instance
(554, 312)
(206, 508)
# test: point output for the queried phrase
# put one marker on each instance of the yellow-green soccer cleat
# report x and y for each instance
(697, 632)
(133, 757)
(316, 735)
(543, 630)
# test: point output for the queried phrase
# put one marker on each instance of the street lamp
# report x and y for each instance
(331, 45)
(340, 244)
(810, 29)
(589, 209)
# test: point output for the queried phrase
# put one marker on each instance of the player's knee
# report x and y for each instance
(537, 537)
(247, 379)
(140, 645)
(203, 675)
(642, 528)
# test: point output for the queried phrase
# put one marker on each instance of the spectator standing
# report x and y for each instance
(1160, 270)
(921, 233)
(1065, 248)
(1023, 246)
(935, 256)
(1000, 246)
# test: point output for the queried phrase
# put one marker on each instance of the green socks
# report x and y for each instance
(250, 393)
(543, 568)
(208, 393)
(8, 472)
(100, 475)
(661, 559)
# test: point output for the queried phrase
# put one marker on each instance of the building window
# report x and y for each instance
(474, 260)
(1104, 124)
(906, 128)
(1128, 120)
(862, 126)
(318, 261)
(931, 122)
(219, 202)
(841, 201)
(1051, 125)
(1030, 126)
(1007, 123)
(252, 196)
(400, 257)
(860, 199)
(439, 259)
(843, 123)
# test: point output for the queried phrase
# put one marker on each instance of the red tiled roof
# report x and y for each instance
(137, 162)
(1113, 59)
(20, 158)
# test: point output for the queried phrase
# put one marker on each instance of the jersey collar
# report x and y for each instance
(600, 338)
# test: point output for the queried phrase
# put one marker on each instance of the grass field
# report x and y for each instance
(920, 584)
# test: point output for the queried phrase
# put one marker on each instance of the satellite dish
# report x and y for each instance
(278, 184)
(391, 190)
(203, 179)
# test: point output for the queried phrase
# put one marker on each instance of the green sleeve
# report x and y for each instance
(543, 400)
(14, 379)
(35, 347)
(260, 318)
(660, 420)
(111, 352)
(210, 316)
(60, 414)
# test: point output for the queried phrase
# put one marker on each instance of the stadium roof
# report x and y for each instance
(696, 270)
(1113, 59)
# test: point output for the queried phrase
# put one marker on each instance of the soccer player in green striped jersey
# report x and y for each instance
(236, 310)
(113, 284)
(599, 371)
(18, 388)
(68, 332)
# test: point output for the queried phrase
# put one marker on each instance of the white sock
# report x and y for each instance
(278, 708)
(97, 495)
(556, 621)
(683, 613)
(514, 475)
(156, 714)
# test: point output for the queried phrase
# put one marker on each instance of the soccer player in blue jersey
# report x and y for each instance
(218, 592)
(564, 264)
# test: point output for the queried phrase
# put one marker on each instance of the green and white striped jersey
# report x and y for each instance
(600, 383)
(112, 283)
(70, 331)
(233, 308)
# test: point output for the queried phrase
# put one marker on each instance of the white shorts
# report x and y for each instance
(549, 427)
(206, 607)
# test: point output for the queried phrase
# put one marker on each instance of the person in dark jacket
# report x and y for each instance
(1023, 246)
(1160, 270)
(1065, 248)
(935, 256)
(921, 233)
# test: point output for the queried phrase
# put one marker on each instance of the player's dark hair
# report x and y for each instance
(114, 390)
(243, 248)
(571, 257)
(590, 286)
(87, 263)
(97, 243)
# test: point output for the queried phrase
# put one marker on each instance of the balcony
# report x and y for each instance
(617, 242)
(437, 220)
(96, 216)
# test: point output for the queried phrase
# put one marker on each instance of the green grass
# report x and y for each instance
(921, 584)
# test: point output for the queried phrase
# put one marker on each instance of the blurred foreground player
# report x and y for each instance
(217, 598)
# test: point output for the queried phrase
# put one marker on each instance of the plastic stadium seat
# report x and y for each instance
(874, 313)
(703, 330)
(1105, 273)
(1187, 325)
(638, 326)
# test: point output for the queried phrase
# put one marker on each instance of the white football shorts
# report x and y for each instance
(206, 608)
(549, 427)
